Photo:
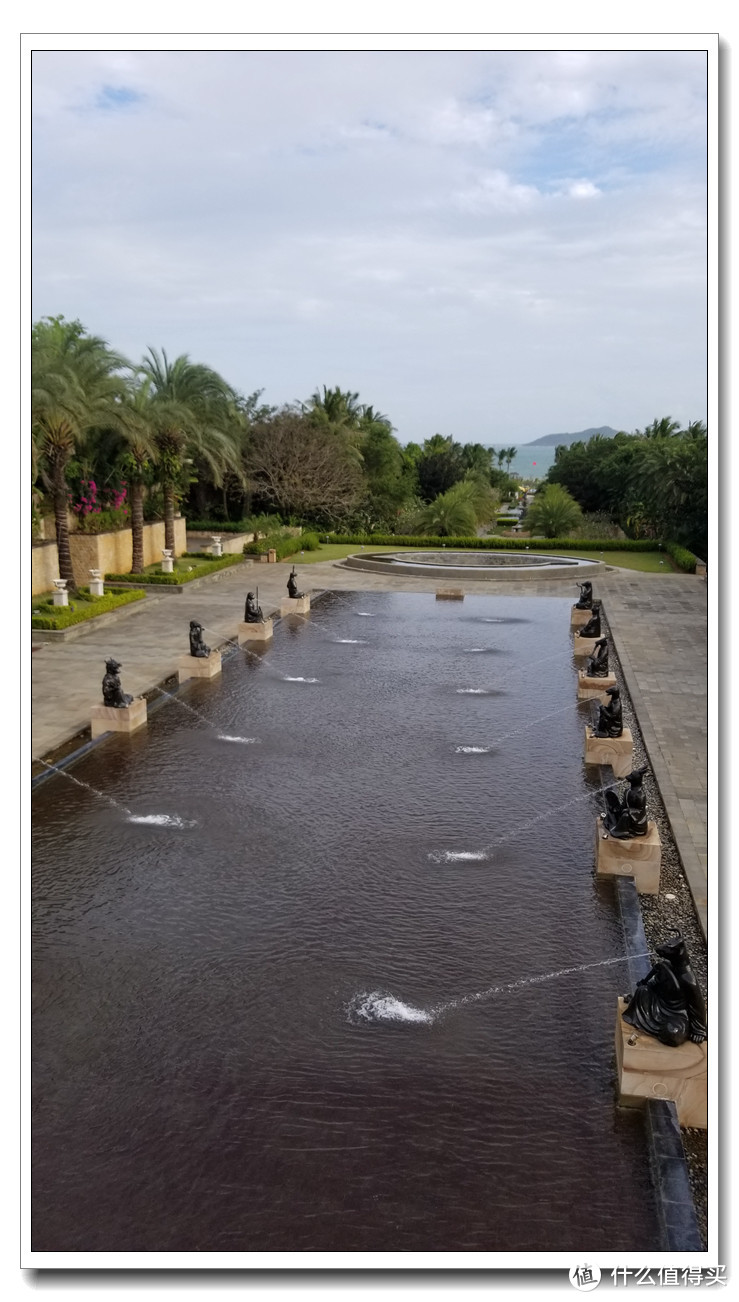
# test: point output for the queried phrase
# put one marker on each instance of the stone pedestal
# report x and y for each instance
(579, 617)
(648, 1069)
(216, 549)
(107, 718)
(61, 598)
(255, 632)
(199, 666)
(296, 605)
(97, 588)
(616, 751)
(450, 594)
(594, 689)
(584, 646)
(640, 857)
(272, 555)
(167, 565)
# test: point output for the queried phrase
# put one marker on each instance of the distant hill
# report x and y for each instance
(551, 440)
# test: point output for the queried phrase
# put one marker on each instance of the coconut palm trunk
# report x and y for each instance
(59, 491)
(168, 492)
(137, 528)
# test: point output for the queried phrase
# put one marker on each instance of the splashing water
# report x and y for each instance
(472, 750)
(86, 786)
(245, 741)
(348, 641)
(453, 856)
(378, 1007)
(472, 691)
(287, 679)
(162, 820)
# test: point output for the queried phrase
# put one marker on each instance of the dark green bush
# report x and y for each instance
(179, 576)
(497, 544)
(684, 559)
(74, 613)
(308, 542)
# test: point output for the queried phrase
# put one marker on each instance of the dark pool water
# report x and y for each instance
(256, 1033)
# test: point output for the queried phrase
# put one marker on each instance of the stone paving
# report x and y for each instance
(658, 625)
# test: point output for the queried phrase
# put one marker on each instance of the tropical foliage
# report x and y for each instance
(116, 442)
(652, 483)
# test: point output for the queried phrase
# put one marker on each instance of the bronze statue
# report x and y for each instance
(628, 817)
(292, 584)
(113, 693)
(592, 628)
(667, 1003)
(597, 663)
(585, 600)
(252, 612)
(197, 645)
(610, 717)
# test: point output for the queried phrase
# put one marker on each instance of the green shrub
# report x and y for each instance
(307, 542)
(497, 544)
(63, 616)
(684, 559)
(252, 524)
(179, 576)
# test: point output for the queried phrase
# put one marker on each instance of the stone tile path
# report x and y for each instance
(658, 624)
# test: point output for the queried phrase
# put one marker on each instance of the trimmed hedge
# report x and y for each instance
(307, 542)
(88, 608)
(218, 526)
(179, 576)
(684, 559)
(497, 544)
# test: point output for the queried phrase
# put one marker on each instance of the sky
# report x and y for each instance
(494, 245)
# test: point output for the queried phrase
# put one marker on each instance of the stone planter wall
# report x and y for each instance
(111, 553)
(44, 567)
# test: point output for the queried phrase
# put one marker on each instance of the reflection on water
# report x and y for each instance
(206, 1074)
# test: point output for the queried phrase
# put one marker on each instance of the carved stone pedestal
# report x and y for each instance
(594, 689)
(296, 605)
(107, 718)
(640, 857)
(579, 617)
(616, 751)
(450, 594)
(648, 1069)
(255, 632)
(584, 646)
(199, 666)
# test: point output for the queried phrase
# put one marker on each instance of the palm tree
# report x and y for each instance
(661, 429)
(75, 390)
(553, 512)
(191, 409)
(506, 455)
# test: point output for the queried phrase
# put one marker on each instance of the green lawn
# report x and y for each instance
(647, 562)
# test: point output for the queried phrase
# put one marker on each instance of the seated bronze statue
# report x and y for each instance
(252, 612)
(197, 645)
(628, 817)
(592, 628)
(610, 717)
(597, 663)
(585, 600)
(667, 1003)
(113, 693)
(292, 584)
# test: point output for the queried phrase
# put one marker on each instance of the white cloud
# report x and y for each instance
(410, 225)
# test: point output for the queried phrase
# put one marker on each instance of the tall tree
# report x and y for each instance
(76, 388)
(194, 412)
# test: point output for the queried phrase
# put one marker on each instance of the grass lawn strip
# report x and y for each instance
(646, 562)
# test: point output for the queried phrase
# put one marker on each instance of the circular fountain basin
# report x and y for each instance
(477, 564)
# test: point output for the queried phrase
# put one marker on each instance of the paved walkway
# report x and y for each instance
(658, 624)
